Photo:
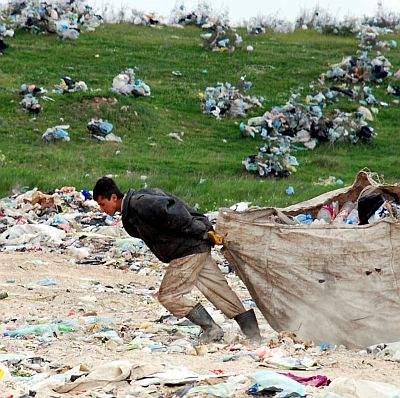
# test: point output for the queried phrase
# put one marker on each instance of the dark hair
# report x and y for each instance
(105, 187)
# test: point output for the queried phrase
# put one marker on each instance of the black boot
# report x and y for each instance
(211, 331)
(247, 322)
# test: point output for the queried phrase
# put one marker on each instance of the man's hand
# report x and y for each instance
(215, 239)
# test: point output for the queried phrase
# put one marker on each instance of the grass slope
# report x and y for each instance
(279, 63)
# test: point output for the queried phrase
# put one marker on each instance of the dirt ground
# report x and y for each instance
(126, 298)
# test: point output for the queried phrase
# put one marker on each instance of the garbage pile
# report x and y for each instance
(322, 21)
(201, 15)
(256, 25)
(273, 158)
(369, 37)
(227, 100)
(360, 68)
(309, 122)
(386, 351)
(68, 85)
(30, 101)
(304, 124)
(220, 38)
(4, 31)
(383, 18)
(264, 23)
(126, 83)
(38, 221)
(101, 130)
(346, 27)
(64, 17)
(57, 133)
(146, 19)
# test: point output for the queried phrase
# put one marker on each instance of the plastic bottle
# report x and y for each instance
(40, 330)
(325, 213)
(335, 207)
(352, 218)
(303, 219)
(344, 212)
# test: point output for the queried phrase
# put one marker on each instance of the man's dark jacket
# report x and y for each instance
(169, 227)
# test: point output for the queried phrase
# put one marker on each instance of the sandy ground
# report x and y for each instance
(126, 297)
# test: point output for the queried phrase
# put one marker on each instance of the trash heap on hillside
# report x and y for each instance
(227, 100)
(201, 15)
(370, 38)
(126, 83)
(56, 133)
(360, 68)
(308, 122)
(69, 85)
(261, 24)
(30, 101)
(145, 18)
(219, 37)
(345, 27)
(4, 31)
(101, 130)
(320, 22)
(64, 17)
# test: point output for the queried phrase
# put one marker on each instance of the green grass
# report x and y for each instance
(279, 63)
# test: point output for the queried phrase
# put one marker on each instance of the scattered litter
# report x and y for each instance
(177, 136)
(314, 381)
(330, 180)
(386, 351)
(290, 190)
(48, 282)
(346, 387)
(292, 363)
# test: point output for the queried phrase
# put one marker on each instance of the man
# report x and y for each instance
(180, 236)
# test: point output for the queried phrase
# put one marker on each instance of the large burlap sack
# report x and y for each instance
(336, 284)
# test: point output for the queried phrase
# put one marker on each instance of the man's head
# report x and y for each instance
(108, 195)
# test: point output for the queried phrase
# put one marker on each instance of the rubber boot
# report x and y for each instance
(211, 331)
(248, 324)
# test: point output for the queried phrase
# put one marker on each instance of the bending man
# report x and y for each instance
(180, 236)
